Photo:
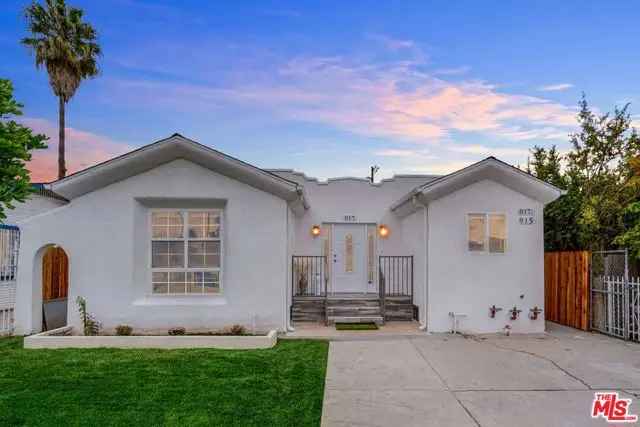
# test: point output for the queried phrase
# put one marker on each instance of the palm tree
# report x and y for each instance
(67, 48)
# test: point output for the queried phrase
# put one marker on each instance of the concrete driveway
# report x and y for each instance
(444, 380)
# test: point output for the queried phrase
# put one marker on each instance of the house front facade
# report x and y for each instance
(178, 234)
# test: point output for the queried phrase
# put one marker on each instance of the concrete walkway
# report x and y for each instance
(444, 380)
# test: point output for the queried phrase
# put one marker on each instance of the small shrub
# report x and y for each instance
(89, 324)
(235, 330)
(177, 331)
(124, 330)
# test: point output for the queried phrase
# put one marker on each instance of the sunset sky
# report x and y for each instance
(330, 88)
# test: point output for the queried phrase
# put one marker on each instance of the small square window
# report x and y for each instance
(204, 225)
(167, 254)
(487, 232)
(204, 254)
(167, 225)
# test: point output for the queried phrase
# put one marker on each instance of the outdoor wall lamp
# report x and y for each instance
(315, 230)
(534, 312)
(493, 310)
(383, 231)
(514, 313)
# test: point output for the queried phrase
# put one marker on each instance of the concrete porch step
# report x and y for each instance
(301, 309)
(378, 320)
(353, 303)
(306, 317)
(353, 311)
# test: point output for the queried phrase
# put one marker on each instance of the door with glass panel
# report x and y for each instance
(349, 258)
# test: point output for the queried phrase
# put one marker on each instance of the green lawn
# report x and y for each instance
(279, 386)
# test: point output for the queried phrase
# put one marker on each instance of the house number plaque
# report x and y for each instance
(526, 216)
(350, 218)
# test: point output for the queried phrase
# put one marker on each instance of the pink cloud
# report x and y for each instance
(83, 149)
(389, 99)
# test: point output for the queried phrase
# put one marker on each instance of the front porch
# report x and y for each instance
(315, 298)
(390, 330)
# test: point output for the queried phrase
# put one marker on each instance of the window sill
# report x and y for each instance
(181, 300)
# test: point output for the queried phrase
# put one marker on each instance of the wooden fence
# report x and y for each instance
(566, 288)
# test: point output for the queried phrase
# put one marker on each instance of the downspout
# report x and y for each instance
(425, 215)
(287, 311)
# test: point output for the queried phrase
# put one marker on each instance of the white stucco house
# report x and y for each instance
(178, 234)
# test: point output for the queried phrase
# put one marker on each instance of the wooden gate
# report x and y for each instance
(566, 288)
(55, 274)
(55, 287)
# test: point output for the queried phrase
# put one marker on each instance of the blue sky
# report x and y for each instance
(330, 88)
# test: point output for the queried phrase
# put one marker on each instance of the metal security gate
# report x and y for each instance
(615, 295)
(9, 245)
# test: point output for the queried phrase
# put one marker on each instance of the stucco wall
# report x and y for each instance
(469, 283)
(414, 239)
(370, 204)
(34, 205)
(105, 234)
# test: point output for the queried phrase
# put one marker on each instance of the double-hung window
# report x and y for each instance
(186, 251)
(487, 232)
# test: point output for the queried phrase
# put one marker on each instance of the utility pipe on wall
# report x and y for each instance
(425, 293)
(287, 287)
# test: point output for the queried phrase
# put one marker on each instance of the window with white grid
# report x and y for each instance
(186, 252)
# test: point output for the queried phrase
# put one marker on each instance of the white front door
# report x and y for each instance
(349, 258)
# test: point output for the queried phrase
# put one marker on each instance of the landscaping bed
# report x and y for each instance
(283, 385)
(66, 337)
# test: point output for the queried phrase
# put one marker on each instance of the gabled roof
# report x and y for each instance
(487, 169)
(175, 147)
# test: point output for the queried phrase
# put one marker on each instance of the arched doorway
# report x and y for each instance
(55, 287)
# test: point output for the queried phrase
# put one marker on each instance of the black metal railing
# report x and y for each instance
(395, 275)
(309, 275)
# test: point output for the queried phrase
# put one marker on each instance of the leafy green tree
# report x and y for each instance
(630, 238)
(546, 165)
(601, 176)
(67, 47)
(561, 231)
(16, 143)
(600, 165)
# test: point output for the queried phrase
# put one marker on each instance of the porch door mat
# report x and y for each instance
(366, 326)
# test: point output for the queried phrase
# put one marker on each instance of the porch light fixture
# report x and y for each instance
(383, 231)
(315, 230)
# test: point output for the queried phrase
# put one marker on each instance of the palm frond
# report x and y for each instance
(62, 43)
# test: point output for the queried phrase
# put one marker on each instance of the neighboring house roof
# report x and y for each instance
(487, 169)
(41, 190)
(166, 150)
